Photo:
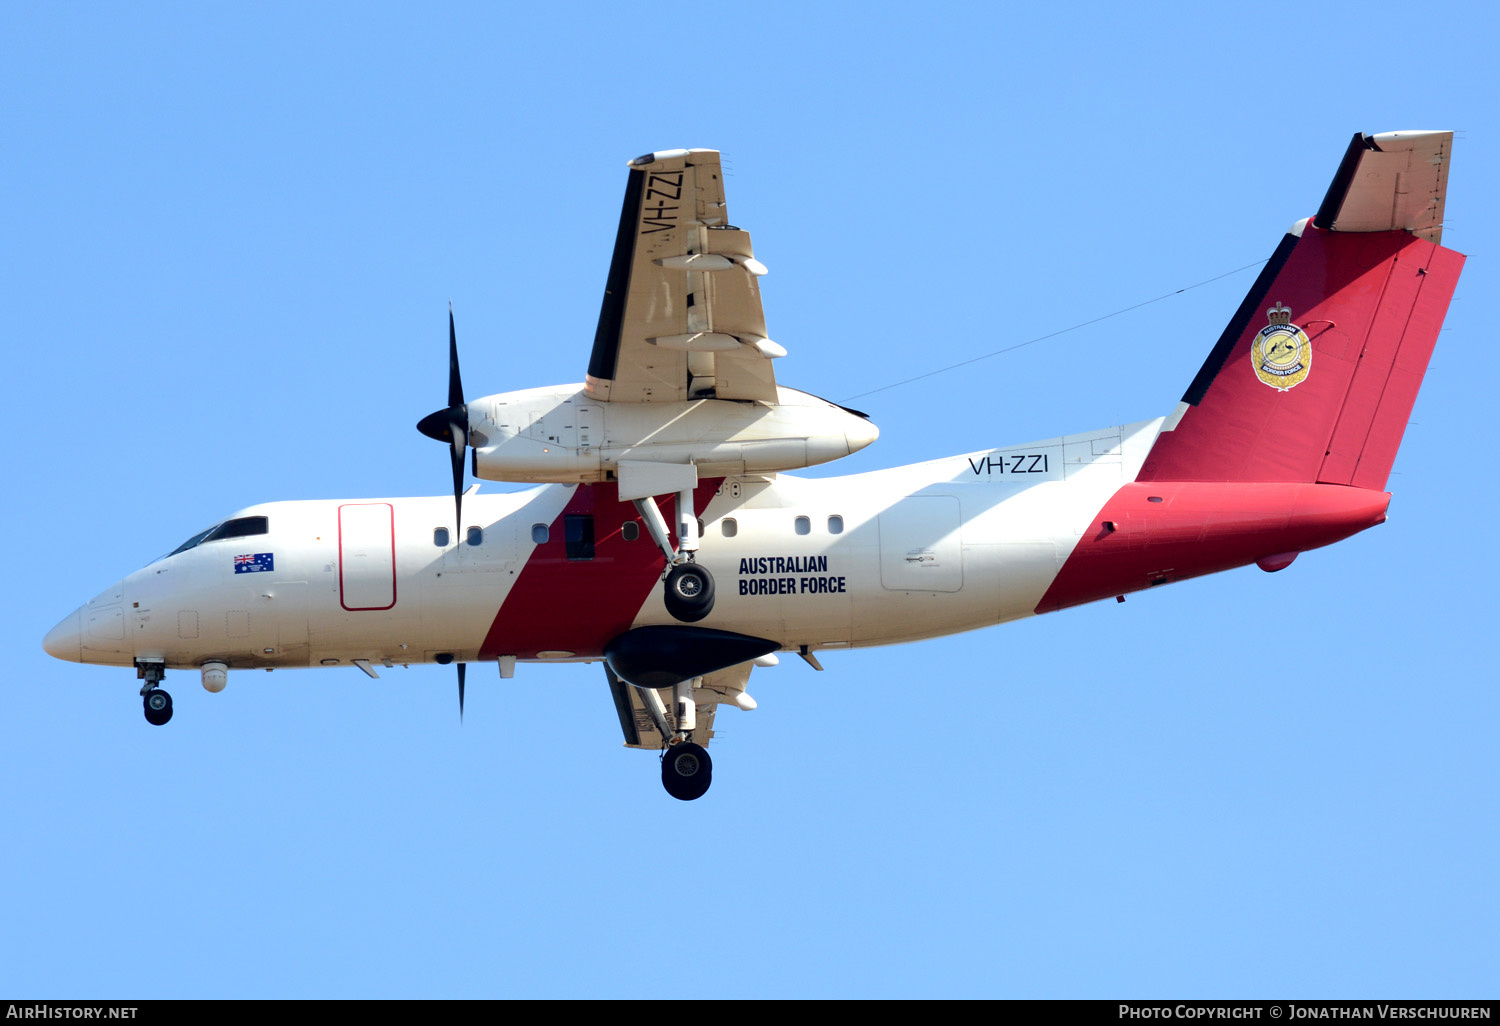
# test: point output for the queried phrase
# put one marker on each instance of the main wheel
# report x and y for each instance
(158, 707)
(686, 771)
(689, 592)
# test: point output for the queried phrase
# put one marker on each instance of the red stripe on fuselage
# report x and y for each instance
(579, 605)
(1201, 528)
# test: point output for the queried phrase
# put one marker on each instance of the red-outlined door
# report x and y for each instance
(367, 556)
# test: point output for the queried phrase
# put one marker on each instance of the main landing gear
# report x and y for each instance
(158, 704)
(687, 588)
(686, 771)
(689, 592)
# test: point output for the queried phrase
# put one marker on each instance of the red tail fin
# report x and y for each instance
(1315, 376)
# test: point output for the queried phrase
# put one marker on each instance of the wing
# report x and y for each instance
(681, 317)
(1389, 181)
(638, 724)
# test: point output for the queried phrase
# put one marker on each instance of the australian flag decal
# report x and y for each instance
(254, 564)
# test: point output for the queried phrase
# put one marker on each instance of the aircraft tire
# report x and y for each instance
(689, 592)
(158, 705)
(686, 771)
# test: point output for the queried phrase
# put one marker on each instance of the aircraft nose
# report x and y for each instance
(65, 640)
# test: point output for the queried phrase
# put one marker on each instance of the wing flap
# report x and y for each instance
(638, 724)
(681, 317)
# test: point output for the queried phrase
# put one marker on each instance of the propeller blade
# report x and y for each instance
(455, 383)
(461, 692)
(460, 443)
(452, 425)
(458, 430)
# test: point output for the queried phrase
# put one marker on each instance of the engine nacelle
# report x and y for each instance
(560, 435)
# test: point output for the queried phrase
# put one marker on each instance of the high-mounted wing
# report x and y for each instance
(724, 687)
(1395, 180)
(681, 317)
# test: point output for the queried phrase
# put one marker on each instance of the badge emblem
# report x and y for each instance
(1281, 352)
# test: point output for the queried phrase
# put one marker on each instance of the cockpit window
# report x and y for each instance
(194, 540)
(239, 527)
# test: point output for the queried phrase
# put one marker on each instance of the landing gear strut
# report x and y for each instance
(158, 704)
(687, 589)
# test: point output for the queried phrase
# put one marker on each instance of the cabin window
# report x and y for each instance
(804, 525)
(475, 536)
(578, 534)
(729, 527)
(630, 530)
(539, 533)
(440, 537)
(835, 524)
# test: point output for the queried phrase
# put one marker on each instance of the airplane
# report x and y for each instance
(665, 537)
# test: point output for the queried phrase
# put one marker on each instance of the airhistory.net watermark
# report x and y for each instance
(43, 1011)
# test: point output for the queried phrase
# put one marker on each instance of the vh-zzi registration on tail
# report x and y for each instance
(665, 538)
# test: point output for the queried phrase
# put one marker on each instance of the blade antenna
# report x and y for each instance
(461, 667)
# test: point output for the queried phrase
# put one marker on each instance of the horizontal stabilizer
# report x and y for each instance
(1395, 180)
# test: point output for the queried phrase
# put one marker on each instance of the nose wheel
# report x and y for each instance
(686, 771)
(157, 702)
(158, 707)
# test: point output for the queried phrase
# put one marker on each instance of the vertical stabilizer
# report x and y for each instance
(1315, 376)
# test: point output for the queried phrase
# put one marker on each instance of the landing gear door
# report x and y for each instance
(920, 545)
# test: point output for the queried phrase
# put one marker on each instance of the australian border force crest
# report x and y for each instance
(1281, 353)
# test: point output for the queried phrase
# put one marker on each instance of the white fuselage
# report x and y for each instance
(876, 558)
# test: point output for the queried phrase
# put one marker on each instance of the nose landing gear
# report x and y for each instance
(158, 703)
(158, 707)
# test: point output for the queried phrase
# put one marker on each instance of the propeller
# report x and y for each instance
(452, 426)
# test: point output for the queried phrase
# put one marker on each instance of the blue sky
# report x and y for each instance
(231, 234)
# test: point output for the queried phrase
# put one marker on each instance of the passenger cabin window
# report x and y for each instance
(835, 524)
(440, 537)
(729, 527)
(475, 537)
(578, 534)
(539, 533)
(804, 525)
(630, 530)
